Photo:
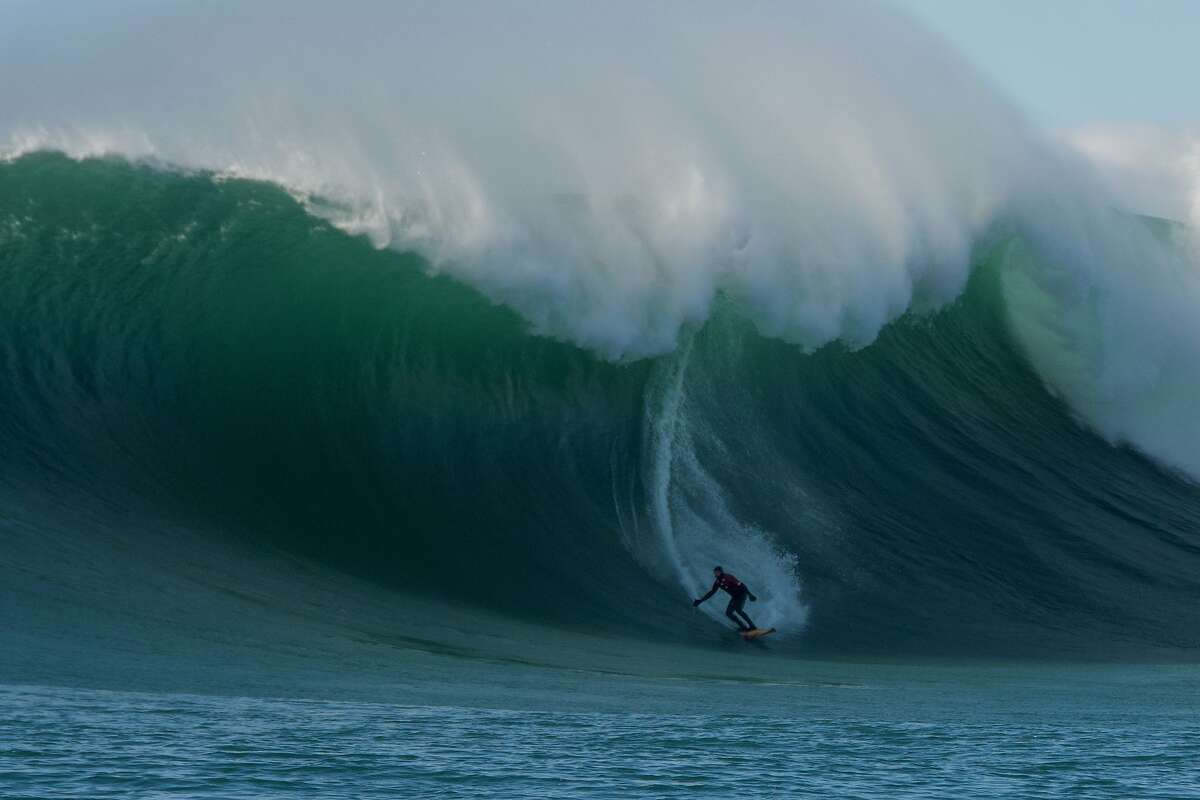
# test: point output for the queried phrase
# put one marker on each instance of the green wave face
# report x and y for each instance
(205, 352)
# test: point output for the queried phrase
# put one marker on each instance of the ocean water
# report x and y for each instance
(367, 428)
(851, 731)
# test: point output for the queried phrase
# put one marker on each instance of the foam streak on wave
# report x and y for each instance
(693, 527)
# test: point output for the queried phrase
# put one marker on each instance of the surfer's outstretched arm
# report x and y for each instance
(711, 592)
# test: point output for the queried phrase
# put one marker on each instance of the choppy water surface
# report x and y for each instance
(946, 735)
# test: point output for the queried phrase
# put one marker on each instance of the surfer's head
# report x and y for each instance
(717, 570)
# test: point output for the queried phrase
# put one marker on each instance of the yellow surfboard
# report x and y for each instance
(756, 633)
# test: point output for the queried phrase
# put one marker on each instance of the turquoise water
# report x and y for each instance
(850, 731)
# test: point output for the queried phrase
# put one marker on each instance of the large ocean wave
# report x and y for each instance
(189, 348)
(547, 309)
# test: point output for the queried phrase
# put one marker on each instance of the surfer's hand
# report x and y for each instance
(695, 603)
(753, 599)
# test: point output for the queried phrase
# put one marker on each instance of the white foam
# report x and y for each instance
(692, 528)
(604, 171)
(1150, 169)
(1108, 312)
(608, 169)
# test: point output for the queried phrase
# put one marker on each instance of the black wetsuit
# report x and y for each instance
(737, 599)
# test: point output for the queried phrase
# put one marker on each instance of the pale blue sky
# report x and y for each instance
(1067, 63)
(1072, 62)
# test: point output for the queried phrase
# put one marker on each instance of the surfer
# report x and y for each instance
(738, 592)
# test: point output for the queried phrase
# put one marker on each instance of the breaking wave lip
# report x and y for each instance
(788, 155)
(608, 201)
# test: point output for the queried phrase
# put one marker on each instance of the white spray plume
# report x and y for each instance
(604, 169)
(607, 168)
(1150, 169)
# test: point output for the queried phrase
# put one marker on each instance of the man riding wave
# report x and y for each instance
(738, 592)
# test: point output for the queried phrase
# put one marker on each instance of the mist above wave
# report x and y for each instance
(608, 170)
(603, 170)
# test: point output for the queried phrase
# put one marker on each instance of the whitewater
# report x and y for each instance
(379, 384)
